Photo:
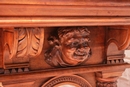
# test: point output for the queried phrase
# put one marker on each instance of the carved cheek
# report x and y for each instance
(87, 49)
(70, 52)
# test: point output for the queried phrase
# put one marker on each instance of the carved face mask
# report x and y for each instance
(75, 49)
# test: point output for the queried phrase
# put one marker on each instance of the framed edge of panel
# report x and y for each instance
(72, 79)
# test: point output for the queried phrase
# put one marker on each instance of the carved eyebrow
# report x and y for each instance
(71, 40)
(87, 39)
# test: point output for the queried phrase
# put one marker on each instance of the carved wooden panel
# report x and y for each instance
(55, 49)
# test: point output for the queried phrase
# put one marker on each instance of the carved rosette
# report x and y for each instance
(73, 80)
(22, 43)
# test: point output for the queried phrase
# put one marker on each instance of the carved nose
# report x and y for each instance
(80, 49)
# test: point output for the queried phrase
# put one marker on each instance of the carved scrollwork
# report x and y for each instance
(76, 80)
(22, 43)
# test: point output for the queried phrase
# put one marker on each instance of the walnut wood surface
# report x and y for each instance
(108, 22)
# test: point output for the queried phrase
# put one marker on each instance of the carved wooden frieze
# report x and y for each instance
(68, 47)
(72, 80)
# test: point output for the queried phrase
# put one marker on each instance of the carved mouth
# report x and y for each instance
(80, 55)
(77, 53)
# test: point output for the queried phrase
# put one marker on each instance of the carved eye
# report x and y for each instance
(85, 44)
(74, 44)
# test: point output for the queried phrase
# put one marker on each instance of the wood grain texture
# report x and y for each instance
(69, 2)
(41, 10)
(62, 21)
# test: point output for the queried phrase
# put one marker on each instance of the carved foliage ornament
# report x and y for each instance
(73, 80)
(30, 41)
(69, 47)
(23, 43)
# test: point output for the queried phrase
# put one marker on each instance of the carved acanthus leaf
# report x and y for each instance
(23, 43)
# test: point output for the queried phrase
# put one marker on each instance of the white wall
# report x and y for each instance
(124, 80)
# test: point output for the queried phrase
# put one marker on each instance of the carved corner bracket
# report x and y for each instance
(117, 40)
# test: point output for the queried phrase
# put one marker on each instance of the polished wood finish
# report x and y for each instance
(25, 47)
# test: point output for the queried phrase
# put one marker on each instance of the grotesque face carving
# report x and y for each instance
(75, 49)
(73, 46)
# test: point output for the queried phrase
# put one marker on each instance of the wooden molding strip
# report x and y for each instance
(62, 21)
(33, 75)
(70, 2)
(51, 10)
